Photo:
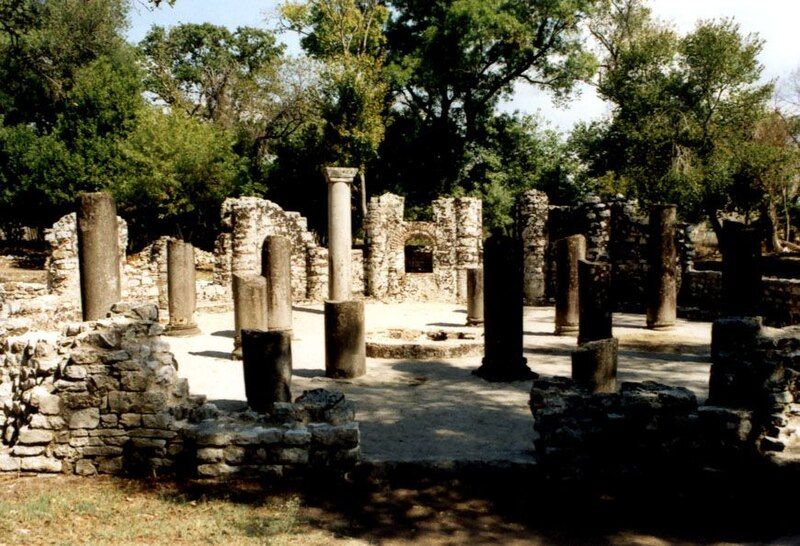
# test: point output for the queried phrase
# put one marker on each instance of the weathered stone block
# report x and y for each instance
(88, 418)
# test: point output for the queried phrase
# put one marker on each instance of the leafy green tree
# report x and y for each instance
(180, 169)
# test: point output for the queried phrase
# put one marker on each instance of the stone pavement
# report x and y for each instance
(437, 411)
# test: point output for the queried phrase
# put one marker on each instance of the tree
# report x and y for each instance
(453, 60)
(347, 36)
(683, 110)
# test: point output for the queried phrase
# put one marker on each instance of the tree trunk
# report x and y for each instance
(769, 219)
(363, 185)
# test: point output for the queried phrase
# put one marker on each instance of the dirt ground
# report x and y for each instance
(437, 410)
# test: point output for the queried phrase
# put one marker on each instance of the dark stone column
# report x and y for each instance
(249, 307)
(276, 267)
(594, 365)
(181, 287)
(267, 367)
(741, 270)
(569, 251)
(98, 254)
(345, 339)
(474, 296)
(594, 279)
(661, 280)
(503, 311)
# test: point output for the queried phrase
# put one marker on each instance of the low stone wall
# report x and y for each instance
(12, 290)
(647, 429)
(105, 397)
(700, 298)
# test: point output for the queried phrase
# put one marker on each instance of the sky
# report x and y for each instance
(775, 21)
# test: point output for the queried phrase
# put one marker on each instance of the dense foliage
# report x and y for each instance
(409, 91)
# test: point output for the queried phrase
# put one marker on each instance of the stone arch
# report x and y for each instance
(419, 246)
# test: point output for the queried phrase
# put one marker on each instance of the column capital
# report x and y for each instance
(340, 174)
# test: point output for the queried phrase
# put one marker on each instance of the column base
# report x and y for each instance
(660, 326)
(474, 322)
(566, 330)
(500, 372)
(186, 330)
(237, 354)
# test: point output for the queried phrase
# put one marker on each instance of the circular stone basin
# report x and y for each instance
(399, 343)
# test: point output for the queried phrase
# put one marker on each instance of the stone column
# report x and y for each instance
(594, 365)
(532, 211)
(345, 339)
(503, 311)
(181, 288)
(474, 296)
(741, 270)
(569, 251)
(340, 232)
(98, 254)
(249, 307)
(267, 367)
(662, 283)
(594, 279)
(276, 267)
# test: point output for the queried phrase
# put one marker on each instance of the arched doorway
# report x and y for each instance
(418, 252)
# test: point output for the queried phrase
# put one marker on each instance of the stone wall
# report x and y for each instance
(646, 429)
(105, 397)
(456, 237)
(700, 298)
(246, 222)
(532, 211)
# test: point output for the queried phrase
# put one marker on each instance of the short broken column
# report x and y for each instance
(249, 308)
(276, 267)
(569, 251)
(345, 339)
(594, 287)
(267, 365)
(340, 234)
(181, 289)
(98, 254)
(594, 365)
(474, 296)
(503, 311)
(741, 270)
(662, 289)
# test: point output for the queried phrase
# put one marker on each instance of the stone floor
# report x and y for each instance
(436, 410)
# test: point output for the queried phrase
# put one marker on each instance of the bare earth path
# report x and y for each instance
(437, 410)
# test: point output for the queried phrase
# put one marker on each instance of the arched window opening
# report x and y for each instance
(419, 254)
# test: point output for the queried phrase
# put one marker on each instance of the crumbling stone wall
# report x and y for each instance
(105, 397)
(246, 222)
(532, 211)
(456, 236)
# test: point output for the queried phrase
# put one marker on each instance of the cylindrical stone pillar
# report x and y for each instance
(662, 290)
(249, 308)
(594, 287)
(569, 251)
(594, 365)
(181, 289)
(503, 311)
(276, 267)
(741, 270)
(474, 296)
(340, 234)
(267, 367)
(98, 254)
(345, 339)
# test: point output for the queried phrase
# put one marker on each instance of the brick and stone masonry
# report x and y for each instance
(532, 212)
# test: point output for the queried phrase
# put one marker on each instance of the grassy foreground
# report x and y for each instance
(61, 510)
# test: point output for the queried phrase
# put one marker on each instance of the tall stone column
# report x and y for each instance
(249, 308)
(181, 289)
(340, 232)
(345, 339)
(276, 267)
(503, 312)
(532, 212)
(267, 367)
(474, 296)
(662, 283)
(741, 270)
(98, 254)
(569, 251)
(594, 280)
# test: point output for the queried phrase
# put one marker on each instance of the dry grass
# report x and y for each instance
(62, 510)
